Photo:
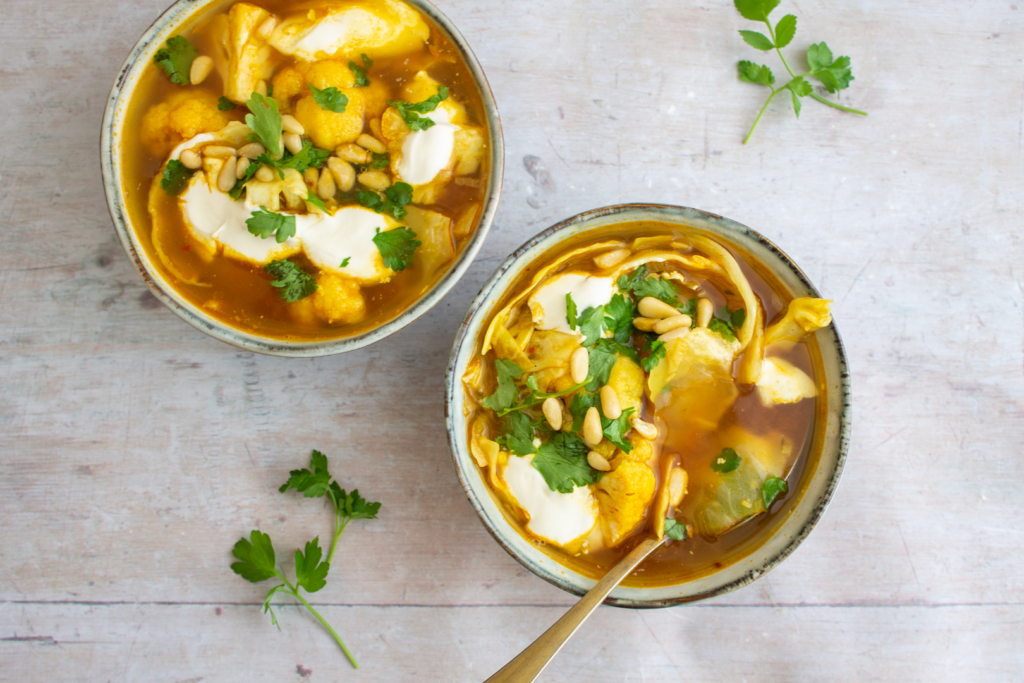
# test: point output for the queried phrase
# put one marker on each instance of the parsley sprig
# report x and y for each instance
(264, 223)
(329, 99)
(393, 202)
(362, 80)
(396, 247)
(175, 177)
(292, 281)
(265, 122)
(257, 561)
(834, 73)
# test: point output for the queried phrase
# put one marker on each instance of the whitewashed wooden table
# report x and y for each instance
(134, 451)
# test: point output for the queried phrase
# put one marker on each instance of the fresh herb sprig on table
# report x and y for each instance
(257, 560)
(834, 73)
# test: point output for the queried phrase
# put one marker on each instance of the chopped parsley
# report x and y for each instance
(570, 311)
(506, 393)
(675, 530)
(562, 461)
(396, 247)
(175, 58)
(380, 160)
(329, 99)
(264, 224)
(592, 324)
(362, 80)
(308, 157)
(601, 360)
(265, 122)
(412, 113)
(643, 285)
(293, 282)
(727, 322)
(315, 201)
(393, 202)
(518, 437)
(224, 104)
(726, 461)
(657, 353)
(345, 262)
(175, 177)
(772, 488)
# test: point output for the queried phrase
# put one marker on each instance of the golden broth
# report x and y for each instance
(696, 556)
(237, 292)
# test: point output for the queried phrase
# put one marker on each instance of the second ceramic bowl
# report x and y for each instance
(815, 487)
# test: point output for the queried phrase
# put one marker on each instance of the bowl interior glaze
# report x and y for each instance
(178, 15)
(818, 481)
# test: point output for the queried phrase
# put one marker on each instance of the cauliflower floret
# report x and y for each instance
(325, 128)
(627, 379)
(183, 116)
(339, 299)
(641, 452)
(550, 352)
(623, 496)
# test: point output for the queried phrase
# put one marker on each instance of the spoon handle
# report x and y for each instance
(529, 664)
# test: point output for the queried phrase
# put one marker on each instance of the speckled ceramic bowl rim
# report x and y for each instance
(113, 122)
(562, 576)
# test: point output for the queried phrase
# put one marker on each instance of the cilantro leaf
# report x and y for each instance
(675, 530)
(570, 311)
(329, 99)
(601, 363)
(643, 285)
(592, 324)
(690, 309)
(236, 191)
(310, 572)
(316, 201)
(175, 58)
(785, 30)
(737, 317)
(175, 177)
(345, 262)
(396, 247)
(615, 430)
(311, 484)
(756, 10)
(360, 71)
(411, 113)
(723, 328)
(380, 160)
(562, 461)
(264, 224)
(224, 104)
(614, 346)
(725, 324)
(307, 157)
(293, 281)
(756, 73)
(657, 349)
(256, 558)
(627, 281)
(394, 200)
(758, 41)
(519, 434)
(619, 318)
(506, 393)
(772, 488)
(265, 122)
(580, 404)
(726, 461)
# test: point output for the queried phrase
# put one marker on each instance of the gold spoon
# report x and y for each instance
(526, 667)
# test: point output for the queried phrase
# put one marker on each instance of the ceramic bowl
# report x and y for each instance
(814, 489)
(110, 158)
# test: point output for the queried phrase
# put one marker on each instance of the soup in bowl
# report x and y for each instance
(302, 178)
(648, 371)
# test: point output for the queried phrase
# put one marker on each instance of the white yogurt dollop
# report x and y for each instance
(425, 153)
(348, 234)
(556, 517)
(549, 306)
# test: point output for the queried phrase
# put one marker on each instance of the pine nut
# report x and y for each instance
(190, 159)
(344, 174)
(375, 127)
(325, 187)
(290, 124)
(579, 365)
(644, 429)
(375, 180)
(201, 68)
(681, 245)
(371, 143)
(252, 150)
(669, 324)
(261, 88)
(226, 179)
(610, 258)
(219, 151)
(592, 432)
(552, 408)
(610, 405)
(650, 307)
(241, 166)
(676, 486)
(264, 175)
(311, 176)
(705, 309)
(677, 333)
(266, 28)
(354, 153)
(645, 324)
(292, 142)
(598, 461)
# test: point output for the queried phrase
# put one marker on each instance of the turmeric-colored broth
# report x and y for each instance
(697, 556)
(238, 293)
